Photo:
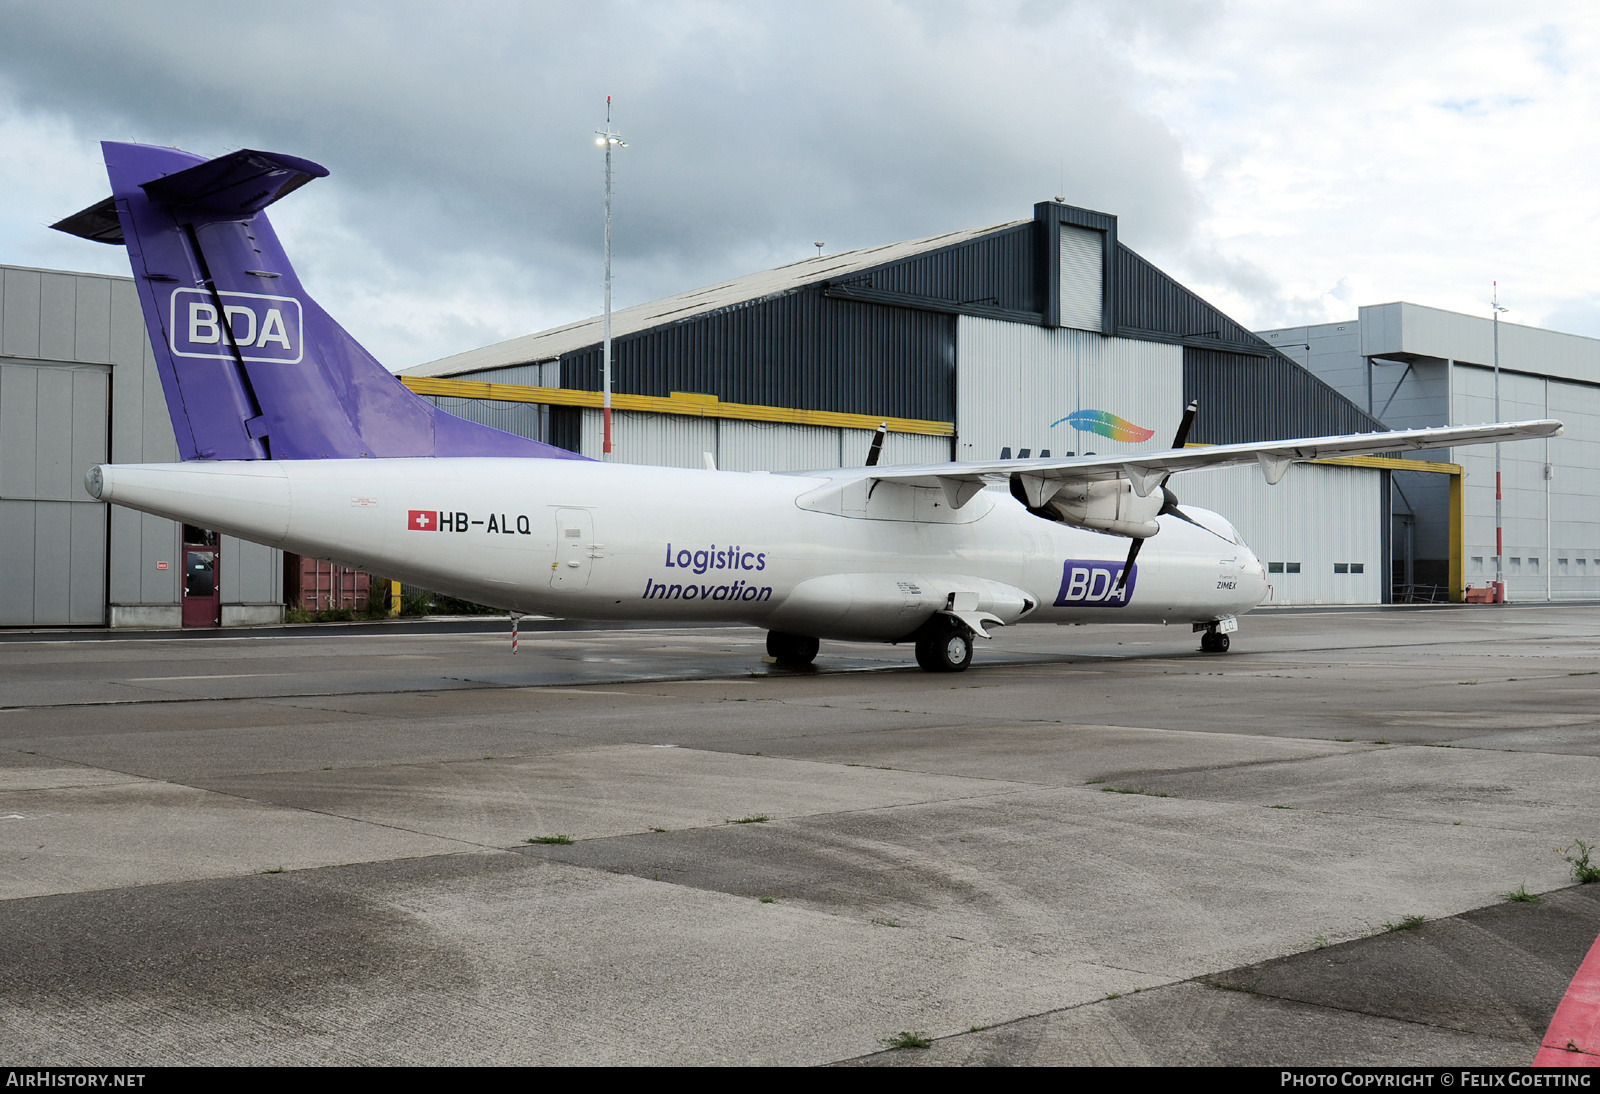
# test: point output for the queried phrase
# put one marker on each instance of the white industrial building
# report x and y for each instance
(1411, 366)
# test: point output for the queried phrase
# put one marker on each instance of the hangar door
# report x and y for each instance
(52, 534)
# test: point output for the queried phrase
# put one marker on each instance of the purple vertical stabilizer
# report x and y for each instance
(252, 367)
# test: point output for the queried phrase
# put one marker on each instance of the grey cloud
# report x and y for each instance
(753, 129)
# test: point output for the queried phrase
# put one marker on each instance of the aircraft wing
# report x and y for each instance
(1148, 470)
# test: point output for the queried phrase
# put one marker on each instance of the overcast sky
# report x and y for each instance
(1289, 162)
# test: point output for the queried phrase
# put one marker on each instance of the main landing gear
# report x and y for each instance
(792, 651)
(944, 645)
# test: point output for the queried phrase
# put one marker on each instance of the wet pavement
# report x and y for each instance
(1098, 845)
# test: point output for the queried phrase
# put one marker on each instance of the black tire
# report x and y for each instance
(1213, 642)
(794, 651)
(944, 648)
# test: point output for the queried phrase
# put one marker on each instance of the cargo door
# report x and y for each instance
(575, 549)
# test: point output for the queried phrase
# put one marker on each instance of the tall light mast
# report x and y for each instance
(1499, 527)
(609, 140)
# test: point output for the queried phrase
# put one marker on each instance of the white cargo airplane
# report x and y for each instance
(292, 435)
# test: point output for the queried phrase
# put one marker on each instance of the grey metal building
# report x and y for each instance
(970, 344)
(78, 386)
(1415, 366)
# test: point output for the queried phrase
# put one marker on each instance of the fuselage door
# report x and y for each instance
(575, 549)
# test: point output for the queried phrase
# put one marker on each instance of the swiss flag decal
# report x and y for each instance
(423, 520)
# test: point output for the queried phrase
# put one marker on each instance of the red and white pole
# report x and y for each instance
(608, 139)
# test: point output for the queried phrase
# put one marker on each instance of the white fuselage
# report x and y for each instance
(832, 554)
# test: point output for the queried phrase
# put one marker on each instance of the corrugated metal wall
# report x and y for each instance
(1541, 525)
(1017, 384)
(524, 419)
(52, 534)
(801, 349)
(677, 440)
(78, 384)
(999, 270)
(1148, 300)
(1082, 282)
(1248, 398)
(1318, 518)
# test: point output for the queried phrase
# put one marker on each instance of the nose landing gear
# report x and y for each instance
(1214, 642)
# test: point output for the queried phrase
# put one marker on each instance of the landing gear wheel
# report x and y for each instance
(944, 647)
(794, 651)
(1213, 642)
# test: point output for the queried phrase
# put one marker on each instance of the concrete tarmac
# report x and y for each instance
(400, 844)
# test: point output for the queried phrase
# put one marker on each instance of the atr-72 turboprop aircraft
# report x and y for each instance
(292, 435)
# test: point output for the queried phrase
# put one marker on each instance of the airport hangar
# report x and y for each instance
(969, 344)
(1414, 366)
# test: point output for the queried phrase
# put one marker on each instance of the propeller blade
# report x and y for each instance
(1181, 515)
(877, 445)
(1189, 412)
(1127, 567)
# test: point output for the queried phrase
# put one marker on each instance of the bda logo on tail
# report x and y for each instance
(265, 328)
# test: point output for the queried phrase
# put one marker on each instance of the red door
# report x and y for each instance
(202, 597)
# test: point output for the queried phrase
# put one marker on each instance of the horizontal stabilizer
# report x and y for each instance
(98, 222)
(238, 184)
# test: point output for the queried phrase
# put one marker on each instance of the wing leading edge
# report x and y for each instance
(1148, 470)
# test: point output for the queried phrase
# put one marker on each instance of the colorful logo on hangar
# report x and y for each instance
(1106, 425)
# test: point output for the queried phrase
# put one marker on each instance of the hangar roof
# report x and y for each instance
(1403, 331)
(550, 344)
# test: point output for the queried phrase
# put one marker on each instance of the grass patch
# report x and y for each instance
(907, 1038)
(658, 829)
(1520, 895)
(888, 923)
(1121, 790)
(976, 1029)
(1280, 807)
(766, 900)
(1380, 741)
(759, 818)
(1113, 995)
(1583, 871)
(1320, 943)
(274, 870)
(1344, 740)
(1094, 782)
(1409, 923)
(550, 839)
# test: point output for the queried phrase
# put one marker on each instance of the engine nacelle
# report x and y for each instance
(1107, 506)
